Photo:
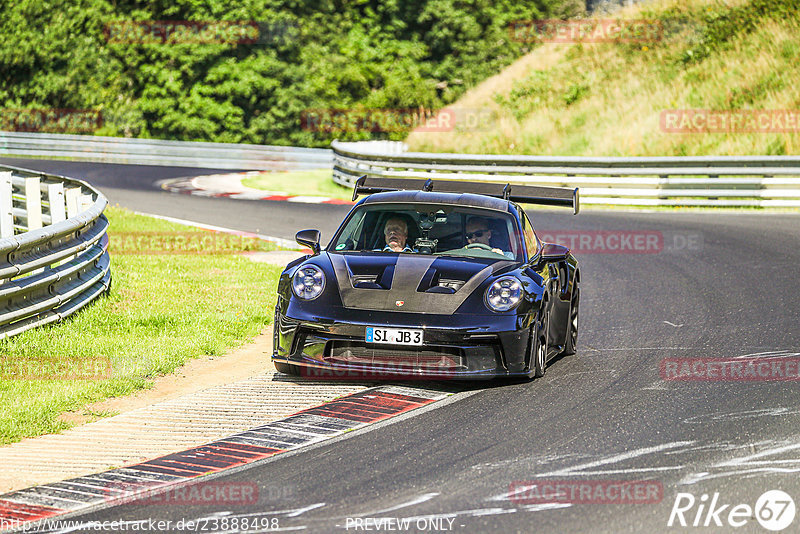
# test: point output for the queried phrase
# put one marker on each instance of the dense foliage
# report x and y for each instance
(309, 55)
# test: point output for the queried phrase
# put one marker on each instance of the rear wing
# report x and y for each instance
(529, 194)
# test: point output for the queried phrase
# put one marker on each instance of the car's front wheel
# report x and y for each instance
(571, 343)
(540, 344)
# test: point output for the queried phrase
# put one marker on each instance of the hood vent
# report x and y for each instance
(455, 285)
(382, 280)
(433, 282)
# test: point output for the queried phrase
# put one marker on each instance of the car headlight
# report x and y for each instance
(504, 294)
(308, 282)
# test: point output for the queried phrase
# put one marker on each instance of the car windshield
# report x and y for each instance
(431, 229)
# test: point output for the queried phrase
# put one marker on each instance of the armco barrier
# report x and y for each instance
(53, 248)
(157, 152)
(760, 181)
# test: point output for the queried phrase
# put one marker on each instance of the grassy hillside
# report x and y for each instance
(607, 98)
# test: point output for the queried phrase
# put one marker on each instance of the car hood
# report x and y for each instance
(410, 282)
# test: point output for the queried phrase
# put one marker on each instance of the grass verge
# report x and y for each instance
(316, 182)
(163, 310)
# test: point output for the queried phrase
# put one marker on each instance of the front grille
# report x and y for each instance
(424, 358)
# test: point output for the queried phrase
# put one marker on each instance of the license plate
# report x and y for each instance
(393, 336)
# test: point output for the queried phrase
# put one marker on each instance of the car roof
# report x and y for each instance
(433, 197)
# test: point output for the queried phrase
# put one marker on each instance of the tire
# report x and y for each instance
(287, 368)
(540, 347)
(571, 343)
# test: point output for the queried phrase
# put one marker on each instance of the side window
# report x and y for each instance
(531, 243)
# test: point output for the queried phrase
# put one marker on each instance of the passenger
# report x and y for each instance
(477, 231)
(395, 231)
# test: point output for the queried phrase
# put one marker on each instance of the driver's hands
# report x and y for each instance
(497, 251)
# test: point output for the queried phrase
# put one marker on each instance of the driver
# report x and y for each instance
(395, 231)
(477, 232)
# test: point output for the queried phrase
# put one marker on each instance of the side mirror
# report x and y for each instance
(552, 252)
(309, 238)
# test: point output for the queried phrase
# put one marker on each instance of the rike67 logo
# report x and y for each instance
(774, 510)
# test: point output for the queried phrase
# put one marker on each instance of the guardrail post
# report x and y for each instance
(73, 201)
(73, 198)
(33, 203)
(86, 202)
(55, 196)
(6, 206)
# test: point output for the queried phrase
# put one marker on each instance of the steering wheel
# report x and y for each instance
(479, 245)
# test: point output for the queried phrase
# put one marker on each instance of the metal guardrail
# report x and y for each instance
(734, 181)
(53, 248)
(157, 152)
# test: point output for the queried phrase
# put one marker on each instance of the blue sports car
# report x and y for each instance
(430, 279)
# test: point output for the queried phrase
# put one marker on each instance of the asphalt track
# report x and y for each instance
(135, 187)
(603, 414)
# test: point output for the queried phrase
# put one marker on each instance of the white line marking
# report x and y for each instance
(491, 511)
(643, 348)
(292, 512)
(307, 199)
(567, 471)
(422, 498)
(745, 460)
(749, 465)
(658, 386)
(762, 353)
(308, 508)
(546, 506)
(762, 358)
(281, 242)
(747, 414)
(774, 462)
(581, 469)
(629, 470)
(702, 477)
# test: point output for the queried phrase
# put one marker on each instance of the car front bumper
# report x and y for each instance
(466, 347)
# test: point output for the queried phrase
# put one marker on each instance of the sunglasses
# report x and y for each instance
(478, 233)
